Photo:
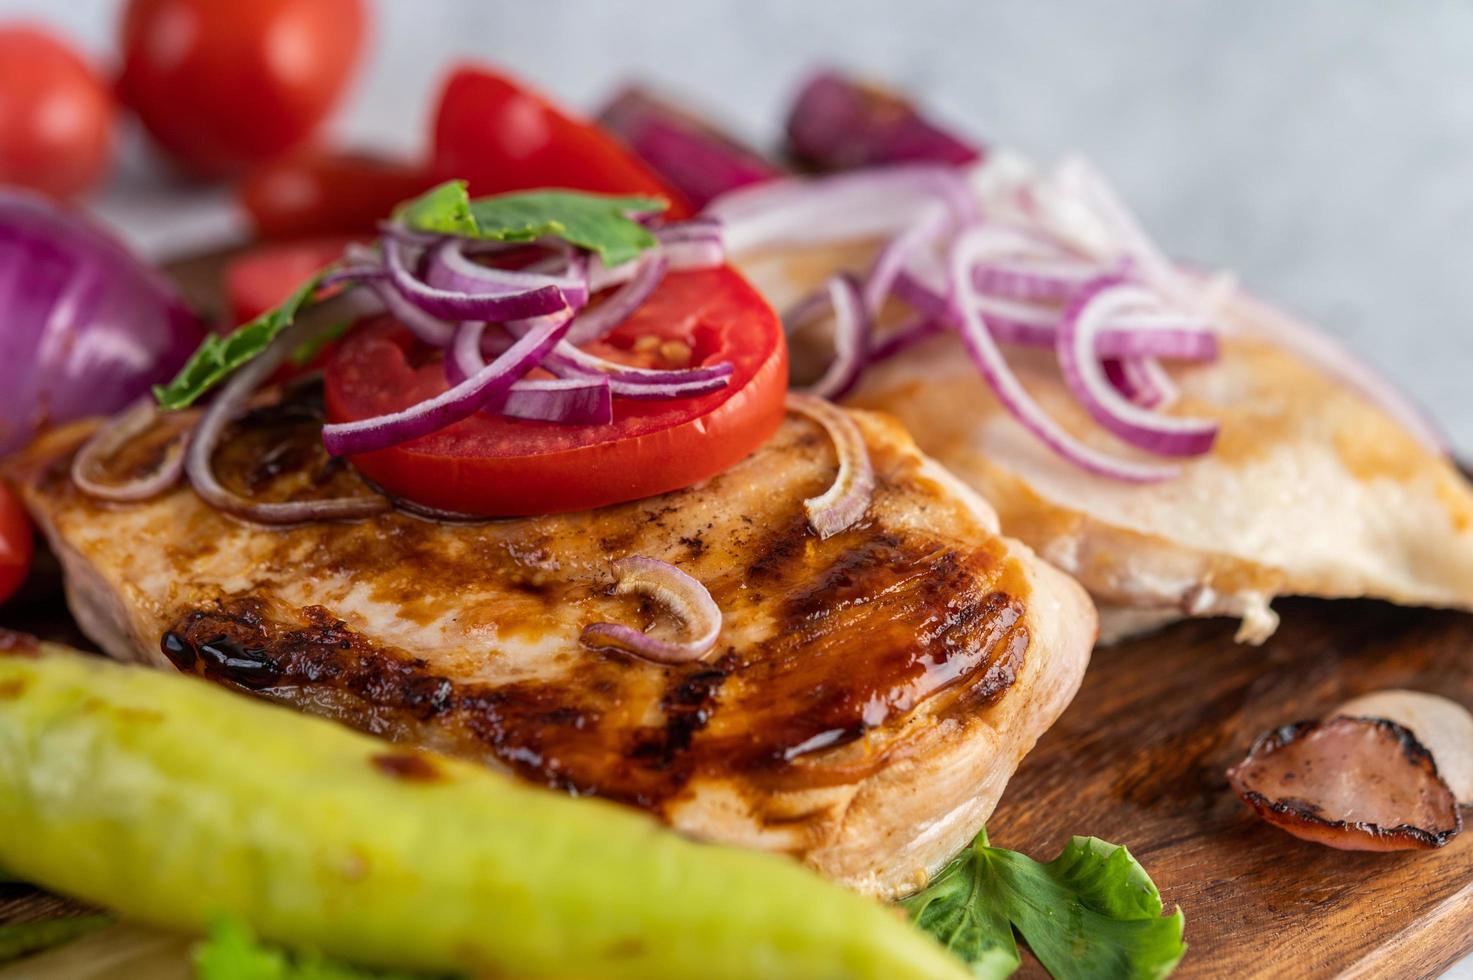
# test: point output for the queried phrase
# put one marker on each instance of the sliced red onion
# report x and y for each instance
(584, 400)
(1132, 333)
(109, 439)
(517, 296)
(852, 327)
(847, 500)
(927, 229)
(845, 207)
(596, 322)
(1140, 380)
(686, 598)
(227, 405)
(460, 401)
(968, 250)
(430, 329)
(691, 245)
(640, 384)
(837, 123)
(451, 269)
(917, 329)
(1056, 279)
(694, 156)
(1080, 364)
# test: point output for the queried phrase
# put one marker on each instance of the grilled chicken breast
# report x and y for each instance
(867, 700)
(1311, 489)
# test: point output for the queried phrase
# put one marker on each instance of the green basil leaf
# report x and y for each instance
(600, 223)
(218, 356)
(232, 952)
(24, 938)
(444, 208)
(1092, 912)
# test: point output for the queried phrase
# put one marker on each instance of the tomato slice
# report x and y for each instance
(261, 278)
(329, 193)
(495, 466)
(16, 544)
(501, 136)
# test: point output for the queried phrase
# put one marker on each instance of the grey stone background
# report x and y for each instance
(1321, 148)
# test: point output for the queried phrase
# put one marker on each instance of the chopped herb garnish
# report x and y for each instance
(600, 223)
(1091, 912)
(24, 938)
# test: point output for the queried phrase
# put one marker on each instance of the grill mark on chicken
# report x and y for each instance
(587, 735)
(860, 683)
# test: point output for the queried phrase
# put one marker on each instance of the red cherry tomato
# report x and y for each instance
(263, 277)
(16, 545)
(328, 193)
(496, 466)
(222, 86)
(501, 136)
(56, 115)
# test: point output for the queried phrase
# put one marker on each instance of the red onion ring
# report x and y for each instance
(686, 598)
(593, 324)
(854, 206)
(198, 464)
(584, 400)
(505, 299)
(967, 251)
(852, 327)
(847, 500)
(1079, 362)
(111, 437)
(461, 401)
(452, 270)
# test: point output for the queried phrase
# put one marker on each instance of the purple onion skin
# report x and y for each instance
(85, 327)
(697, 158)
(837, 123)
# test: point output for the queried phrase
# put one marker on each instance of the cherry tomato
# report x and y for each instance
(328, 193)
(16, 545)
(221, 86)
(263, 277)
(496, 466)
(56, 115)
(501, 136)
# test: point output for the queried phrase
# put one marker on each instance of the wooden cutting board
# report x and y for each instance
(1139, 759)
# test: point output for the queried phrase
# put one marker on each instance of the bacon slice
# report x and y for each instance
(1357, 784)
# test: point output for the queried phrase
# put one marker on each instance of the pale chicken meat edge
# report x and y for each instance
(867, 700)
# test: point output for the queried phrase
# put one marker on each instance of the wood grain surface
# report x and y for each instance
(1140, 757)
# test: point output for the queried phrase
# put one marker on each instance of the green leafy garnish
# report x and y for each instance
(597, 222)
(232, 952)
(1092, 912)
(24, 938)
(218, 356)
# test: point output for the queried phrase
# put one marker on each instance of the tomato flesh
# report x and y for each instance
(494, 466)
(16, 544)
(263, 277)
(56, 115)
(329, 193)
(501, 136)
(224, 86)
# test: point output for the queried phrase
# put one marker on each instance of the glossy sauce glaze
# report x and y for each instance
(828, 646)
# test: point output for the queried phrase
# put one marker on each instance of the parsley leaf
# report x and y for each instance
(596, 222)
(24, 938)
(1091, 912)
(218, 356)
(232, 953)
